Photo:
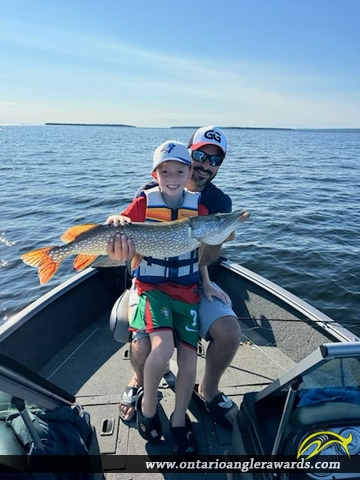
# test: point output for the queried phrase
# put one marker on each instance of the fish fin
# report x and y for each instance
(82, 261)
(136, 260)
(75, 231)
(104, 261)
(41, 259)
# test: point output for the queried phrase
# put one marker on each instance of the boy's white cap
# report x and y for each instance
(171, 150)
(208, 136)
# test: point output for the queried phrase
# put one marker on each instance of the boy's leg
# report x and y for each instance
(186, 328)
(162, 347)
(154, 313)
(185, 381)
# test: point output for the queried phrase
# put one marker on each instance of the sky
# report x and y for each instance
(161, 63)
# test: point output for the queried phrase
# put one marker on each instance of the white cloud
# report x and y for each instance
(70, 77)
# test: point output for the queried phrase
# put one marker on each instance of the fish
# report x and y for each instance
(158, 240)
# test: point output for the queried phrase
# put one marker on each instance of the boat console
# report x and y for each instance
(311, 412)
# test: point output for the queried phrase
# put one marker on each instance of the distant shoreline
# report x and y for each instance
(174, 127)
(240, 128)
(194, 127)
(91, 124)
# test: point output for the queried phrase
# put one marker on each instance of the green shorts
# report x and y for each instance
(156, 310)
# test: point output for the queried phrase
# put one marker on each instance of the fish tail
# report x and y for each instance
(41, 259)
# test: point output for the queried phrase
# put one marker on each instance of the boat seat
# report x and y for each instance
(12, 455)
(118, 321)
(323, 416)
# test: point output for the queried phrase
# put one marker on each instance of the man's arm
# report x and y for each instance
(210, 253)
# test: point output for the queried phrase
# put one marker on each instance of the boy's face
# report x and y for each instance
(172, 177)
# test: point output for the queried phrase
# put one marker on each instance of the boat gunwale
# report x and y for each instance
(325, 322)
(321, 319)
(28, 312)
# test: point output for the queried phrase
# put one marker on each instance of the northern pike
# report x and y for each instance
(158, 240)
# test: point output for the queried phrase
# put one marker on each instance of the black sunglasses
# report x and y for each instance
(214, 160)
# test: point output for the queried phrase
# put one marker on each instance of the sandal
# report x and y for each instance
(221, 407)
(128, 399)
(149, 428)
(183, 438)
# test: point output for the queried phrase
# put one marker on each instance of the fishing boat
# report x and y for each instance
(296, 373)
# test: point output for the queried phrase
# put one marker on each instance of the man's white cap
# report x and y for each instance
(171, 150)
(208, 136)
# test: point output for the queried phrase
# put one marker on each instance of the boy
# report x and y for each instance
(169, 297)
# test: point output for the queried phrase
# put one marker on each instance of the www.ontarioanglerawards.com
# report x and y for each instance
(249, 465)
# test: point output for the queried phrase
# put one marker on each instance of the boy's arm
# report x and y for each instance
(120, 247)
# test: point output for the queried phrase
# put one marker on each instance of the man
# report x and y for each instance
(218, 322)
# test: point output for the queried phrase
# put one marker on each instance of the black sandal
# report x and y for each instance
(128, 399)
(183, 438)
(149, 428)
(221, 407)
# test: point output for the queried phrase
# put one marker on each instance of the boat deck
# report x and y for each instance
(95, 368)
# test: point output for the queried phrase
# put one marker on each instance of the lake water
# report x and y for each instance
(302, 188)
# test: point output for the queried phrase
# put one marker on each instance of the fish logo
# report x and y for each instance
(321, 441)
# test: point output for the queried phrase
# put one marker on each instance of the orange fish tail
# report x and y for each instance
(41, 259)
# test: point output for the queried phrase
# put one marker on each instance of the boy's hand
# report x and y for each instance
(117, 220)
(211, 291)
(120, 247)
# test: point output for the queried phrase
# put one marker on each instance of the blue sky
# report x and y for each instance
(260, 63)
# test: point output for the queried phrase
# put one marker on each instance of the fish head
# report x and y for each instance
(214, 229)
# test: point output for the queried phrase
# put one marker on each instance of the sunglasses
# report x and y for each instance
(214, 160)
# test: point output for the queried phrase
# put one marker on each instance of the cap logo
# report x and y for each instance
(168, 147)
(212, 135)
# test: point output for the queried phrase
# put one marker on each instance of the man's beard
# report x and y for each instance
(199, 180)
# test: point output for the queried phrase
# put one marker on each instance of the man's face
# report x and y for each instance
(203, 172)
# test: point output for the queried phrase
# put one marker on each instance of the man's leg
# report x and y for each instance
(139, 351)
(225, 334)
(219, 325)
